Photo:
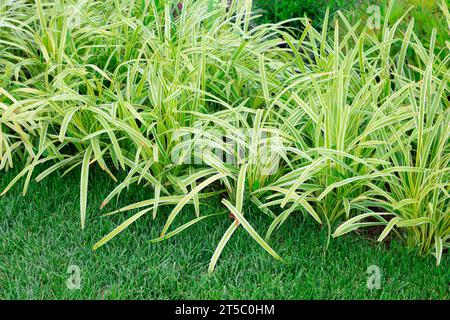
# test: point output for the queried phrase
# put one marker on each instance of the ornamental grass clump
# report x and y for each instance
(195, 102)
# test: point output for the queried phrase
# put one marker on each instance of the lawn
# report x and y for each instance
(41, 237)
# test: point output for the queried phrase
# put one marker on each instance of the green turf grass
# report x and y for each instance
(40, 237)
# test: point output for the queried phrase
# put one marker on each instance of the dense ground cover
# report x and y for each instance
(427, 14)
(345, 126)
(275, 11)
(41, 238)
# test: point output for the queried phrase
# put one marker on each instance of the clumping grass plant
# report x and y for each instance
(194, 102)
